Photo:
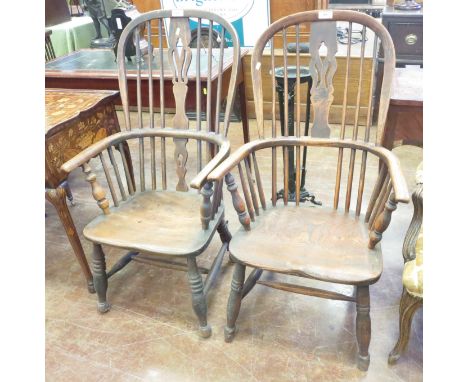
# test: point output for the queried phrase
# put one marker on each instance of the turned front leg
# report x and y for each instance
(198, 297)
(234, 302)
(100, 278)
(57, 198)
(363, 326)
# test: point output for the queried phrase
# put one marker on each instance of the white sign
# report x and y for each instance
(249, 17)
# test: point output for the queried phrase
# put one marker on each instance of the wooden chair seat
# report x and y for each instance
(172, 218)
(315, 242)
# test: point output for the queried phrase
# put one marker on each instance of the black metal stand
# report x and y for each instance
(305, 76)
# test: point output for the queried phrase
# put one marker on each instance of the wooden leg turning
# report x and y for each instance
(198, 297)
(234, 301)
(408, 306)
(363, 326)
(100, 278)
(57, 198)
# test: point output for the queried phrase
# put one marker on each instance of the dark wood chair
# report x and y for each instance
(158, 223)
(413, 287)
(49, 48)
(333, 243)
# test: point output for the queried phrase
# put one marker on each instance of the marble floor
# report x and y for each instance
(150, 334)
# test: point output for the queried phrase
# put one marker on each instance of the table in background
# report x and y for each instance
(97, 69)
(75, 119)
(404, 124)
(406, 29)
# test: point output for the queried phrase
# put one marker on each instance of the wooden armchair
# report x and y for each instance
(330, 244)
(157, 224)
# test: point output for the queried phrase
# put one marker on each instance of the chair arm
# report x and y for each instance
(114, 139)
(390, 160)
(201, 178)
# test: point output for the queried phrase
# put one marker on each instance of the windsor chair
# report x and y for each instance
(328, 243)
(157, 220)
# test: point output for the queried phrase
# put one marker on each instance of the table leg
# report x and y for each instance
(243, 110)
(68, 191)
(57, 197)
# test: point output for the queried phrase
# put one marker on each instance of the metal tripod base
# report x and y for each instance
(304, 196)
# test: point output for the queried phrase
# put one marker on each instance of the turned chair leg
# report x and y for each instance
(198, 297)
(100, 278)
(363, 326)
(408, 306)
(234, 301)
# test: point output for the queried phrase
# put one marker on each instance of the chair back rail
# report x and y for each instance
(355, 61)
(182, 62)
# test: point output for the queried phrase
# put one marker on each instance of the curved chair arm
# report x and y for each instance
(391, 161)
(112, 140)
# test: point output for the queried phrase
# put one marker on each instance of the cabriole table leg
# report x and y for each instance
(57, 197)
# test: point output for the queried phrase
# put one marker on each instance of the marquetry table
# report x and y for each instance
(97, 69)
(75, 119)
(404, 124)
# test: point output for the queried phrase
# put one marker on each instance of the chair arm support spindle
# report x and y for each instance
(237, 201)
(382, 222)
(206, 207)
(99, 193)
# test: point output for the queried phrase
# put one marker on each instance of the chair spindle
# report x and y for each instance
(117, 173)
(339, 167)
(109, 180)
(247, 197)
(352, 158)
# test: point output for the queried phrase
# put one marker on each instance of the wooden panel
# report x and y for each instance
(338, 83)
(147, 6)
(281, 8)
(56, 12)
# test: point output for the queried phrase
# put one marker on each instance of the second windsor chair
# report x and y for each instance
(328, 244)
(157, 224)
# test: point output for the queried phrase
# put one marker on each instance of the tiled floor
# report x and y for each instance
(150, 334)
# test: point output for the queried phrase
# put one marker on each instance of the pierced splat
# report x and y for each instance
(322, 72)
(180, 57)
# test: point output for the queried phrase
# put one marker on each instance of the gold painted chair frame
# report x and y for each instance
(349, 252)
(410, 302)
(185, 221)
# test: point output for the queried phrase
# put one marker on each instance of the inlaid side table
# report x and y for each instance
(75, 119)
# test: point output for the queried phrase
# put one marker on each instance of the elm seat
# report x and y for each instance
(128, 226)
(313, 246)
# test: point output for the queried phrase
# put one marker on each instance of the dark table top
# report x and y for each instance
(101, 63)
